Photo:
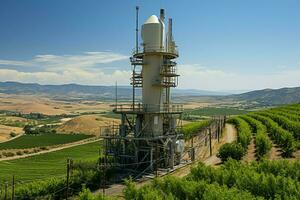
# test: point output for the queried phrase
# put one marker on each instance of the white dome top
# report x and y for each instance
(153, 19)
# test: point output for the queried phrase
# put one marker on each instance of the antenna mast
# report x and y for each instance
(136, 49)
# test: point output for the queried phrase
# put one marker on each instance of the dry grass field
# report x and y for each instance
(39, 104)
(86, 124)
(6, 130)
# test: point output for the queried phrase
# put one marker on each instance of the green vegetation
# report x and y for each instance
(83, 175)
(281, 136)
(194, 127)
(213, 111)
(285, 122)
(47, 165)
(35, 130)
(262, 141)
(282, 124)
(244, 131)
(232, 150)
(41, 140)
(233, 180)
(237, 149)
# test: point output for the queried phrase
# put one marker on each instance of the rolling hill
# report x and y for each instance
(73, 92)
(270, 97)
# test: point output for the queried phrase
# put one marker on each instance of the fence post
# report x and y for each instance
(219, 129)
(210, 147)
(13, 188)
(192, 150)
(68, 174)
(5, 190)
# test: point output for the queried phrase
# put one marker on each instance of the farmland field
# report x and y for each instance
(31, 141)
(211, 111)
(48, 164)
(280, 126)
(233, 180)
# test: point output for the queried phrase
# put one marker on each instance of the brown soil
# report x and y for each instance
(250, 156)
(275, 152)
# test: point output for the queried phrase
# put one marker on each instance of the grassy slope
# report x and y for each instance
(31, 141)
(48, 164)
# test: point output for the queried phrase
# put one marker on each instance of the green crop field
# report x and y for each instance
(233, 180)
(48, 164)
(280, 125)
(211, 111)
(31, 141)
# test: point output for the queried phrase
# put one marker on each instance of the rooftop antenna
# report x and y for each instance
(137, 29)
(136, 49)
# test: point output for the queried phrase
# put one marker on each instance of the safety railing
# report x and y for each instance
(164, 108)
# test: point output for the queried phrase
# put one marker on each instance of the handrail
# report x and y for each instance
(149, 107)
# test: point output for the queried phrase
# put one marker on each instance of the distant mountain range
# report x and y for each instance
(87, 91)
(270, 97)
(266, 97)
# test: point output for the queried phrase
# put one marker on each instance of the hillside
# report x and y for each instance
(86, 124)
(75, 92)
(79, 92)
(270, 97)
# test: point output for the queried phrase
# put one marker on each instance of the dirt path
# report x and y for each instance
(250, 156)
(65, 146)
(275, 152)
(229, 135)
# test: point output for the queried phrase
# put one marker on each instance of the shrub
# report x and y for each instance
(263, 143)
(13, 134)
(26, 151)
(231, 150)
(244, 131)
(44, 148)
(19, 153)
(281, 136)
(244, 178)
(8, 154)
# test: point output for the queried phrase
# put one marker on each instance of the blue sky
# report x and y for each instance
(224, 45)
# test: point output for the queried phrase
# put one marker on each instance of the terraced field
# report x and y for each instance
(47, 165)
(41, 140)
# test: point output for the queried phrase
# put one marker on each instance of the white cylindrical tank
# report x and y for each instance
(153, 34)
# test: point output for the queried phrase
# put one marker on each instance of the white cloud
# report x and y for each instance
(60, 62)
(86, 69)
(68, 76)
(14, 63)
(199, 77)
(57, 69)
